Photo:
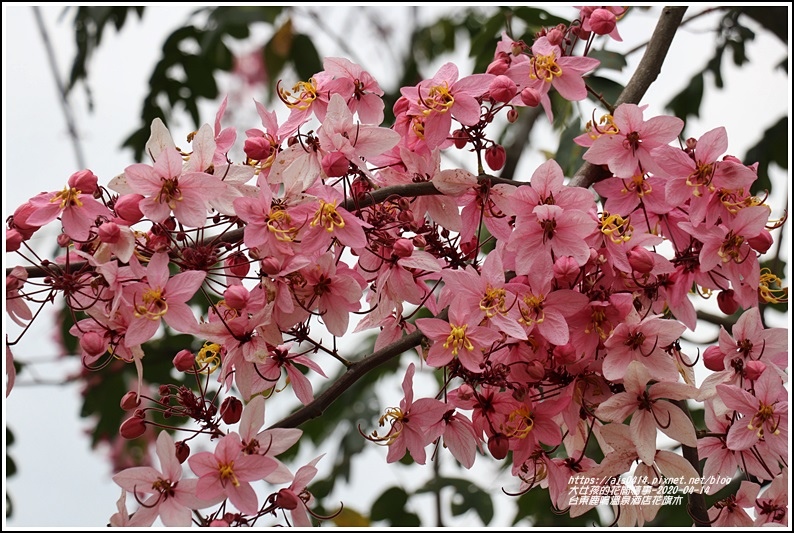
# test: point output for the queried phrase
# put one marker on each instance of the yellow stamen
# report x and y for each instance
(438, 99)
(493, 301)
(520, 423)
(301, 96)
(226, 472)
(544, 68)
(616, 228)
(457, 338)
(280, 224)
(68, 196)
(328, 217)
(154, 305)
(532, 311)
(208, 358)
(769, 294)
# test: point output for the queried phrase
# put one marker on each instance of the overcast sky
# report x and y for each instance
(61, 482)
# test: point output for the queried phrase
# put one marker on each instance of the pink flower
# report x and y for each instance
(461, 337)
(172, 498)
(413, 425)
(730, 511)
(648, 412)
(296, 498)
(167, 190)
(367, 94)
(161, 296)
(635, 142)
(445, 96)
(228, 472)
(77, 209)
(772, 506)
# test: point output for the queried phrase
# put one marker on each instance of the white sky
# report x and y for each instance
(60, 481)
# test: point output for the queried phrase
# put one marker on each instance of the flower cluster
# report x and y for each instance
(548, 343)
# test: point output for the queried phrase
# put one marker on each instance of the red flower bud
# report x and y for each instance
(403, 248)
(84, 181)
(555, 36)
(512, 115)
(286, 499)
(236, 296)
(714, 359)
(182, 451)
(753, 370)
(130, 401)
(602, 21)
(498, 66)
(335, 164)
(459, 138)
(127, 208)
(502, 89)
(184, 361)
(495, 156)
(726, 300)
(257, 148)
(498, 445)
(641, 260)
(530, 97)
(109, 233)
(134, 427)
(270, 266)
(93, 344)
(761, 242)
(14, 240)
(231, 410)
(566, 269)
(238, 264)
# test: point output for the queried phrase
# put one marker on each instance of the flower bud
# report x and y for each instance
(530, 97)
(238, 264)
(236, 296)
(93, 344)
(495, 156)
(753, 370)
(714, 359)
(498, 445)
(459, 138)
(182, 451)
(130, 401)
(109, 233)
(403, 248)
(726, 300)
(602, 21)
(84, 181)
(133, 427)
(270, 266)
(566, 269)
(257, 148)
(184, 361)
(535, 370)
(335, 164)
(641, 260)
(761, 242)
(512, 115)
(555, 36)
(63, 240)
(419, 241)
(502, 89)
(498, 66)
(287, 499)
(13, 240)
(127, 207)
(231, 410)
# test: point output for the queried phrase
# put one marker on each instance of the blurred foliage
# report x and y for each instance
(193, 58)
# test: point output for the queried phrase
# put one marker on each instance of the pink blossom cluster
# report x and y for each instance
(548, 343)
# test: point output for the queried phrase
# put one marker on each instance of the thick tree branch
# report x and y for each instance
(647, 71)
(355, 372)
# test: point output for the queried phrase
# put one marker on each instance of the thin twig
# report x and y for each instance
(697, 502)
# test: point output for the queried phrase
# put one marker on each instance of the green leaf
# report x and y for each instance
(535, 507)
(390, 507)
(608, 89)
(467, 496)
(305, 58)
(200, 77)
(772, 148)
(609, 60)
(687, 102)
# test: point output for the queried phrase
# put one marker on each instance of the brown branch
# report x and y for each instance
(355, 372)
(647, 71)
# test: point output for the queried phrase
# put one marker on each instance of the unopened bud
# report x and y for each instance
(498, 445)
(257, 148)
(93, 344)
(754, 369)
(182, 451)
(714, 359)
(726, 300)
(238, 264)
(231, 410)
(762, 242)
(133, 427)
(502, 89)
(498, 66)
(128, 208)
(459, 138)
(535, 370)
(130, 401)
(184, 361)
(335, 164)
(530, 97)
(63, 240)
(495, 156)
(566, 269)
(236, 296)
(602, 21)
(270, 266)
(512, 115)
(84, 181)
(403, 248)
(641, 260)
(287, 499)
(13, 240)
(555, 36)
(109, 233)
